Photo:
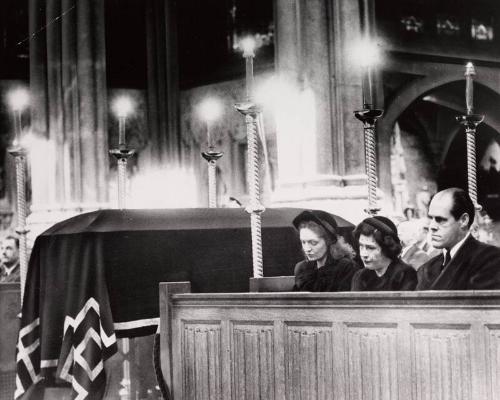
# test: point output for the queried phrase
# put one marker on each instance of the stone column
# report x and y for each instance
(163, 92)
(302, 59)
(313, 43)
(68, 90)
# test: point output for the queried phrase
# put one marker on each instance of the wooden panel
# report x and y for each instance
(10, 307)
(309, 361)
(336, 346)
(493, 352)
(441, 362)
(201, 360)
(371, 365)
(252, 361)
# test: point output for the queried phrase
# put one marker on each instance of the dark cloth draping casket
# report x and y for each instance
(96, 275)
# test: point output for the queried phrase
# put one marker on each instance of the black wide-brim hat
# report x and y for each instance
(322, 218)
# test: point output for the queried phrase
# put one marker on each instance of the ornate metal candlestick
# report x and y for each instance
(255, 208)
(212, 156)
(368, 116)
(470, 121)
(210, 110)
(123, 106)
(18, 101)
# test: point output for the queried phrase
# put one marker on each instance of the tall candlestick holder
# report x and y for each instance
(470, 121)
(122, 153)
(255, 208)
(211, 156)
(19, 153)
(368, 116)
(251, 112)
(19, 99)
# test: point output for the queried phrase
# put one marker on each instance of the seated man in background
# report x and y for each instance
(465, 263)
(411, 233)
(426, 244)
(9, 257)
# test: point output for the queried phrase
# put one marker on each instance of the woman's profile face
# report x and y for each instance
(314, 246)
(371, 253)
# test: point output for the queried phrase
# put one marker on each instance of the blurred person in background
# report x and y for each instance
(9, 258)
(411, 234)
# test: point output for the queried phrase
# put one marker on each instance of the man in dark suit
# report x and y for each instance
(9, 257)
(465, 263)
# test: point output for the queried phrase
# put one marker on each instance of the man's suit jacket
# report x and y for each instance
(476, 265)
(15, 275)
(415, 257)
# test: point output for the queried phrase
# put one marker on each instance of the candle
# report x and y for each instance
(210, 109)
(210, 142)
(469, 94)
(18, 100)
(122, 108)
(121, 131)
(248, 45)
(367, 88)
(366, 55)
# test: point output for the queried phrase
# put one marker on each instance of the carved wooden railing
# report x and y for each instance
(392, 345)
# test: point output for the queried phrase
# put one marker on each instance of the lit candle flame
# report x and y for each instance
(123, 106)
(18, 99)
(248, 46)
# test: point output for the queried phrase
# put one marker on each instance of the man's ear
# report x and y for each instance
(464, 221)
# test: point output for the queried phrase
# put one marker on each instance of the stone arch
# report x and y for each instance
(405, 97)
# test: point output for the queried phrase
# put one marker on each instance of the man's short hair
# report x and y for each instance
(462, 204)
(14, 238)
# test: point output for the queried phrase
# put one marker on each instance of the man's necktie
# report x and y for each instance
(447, 258)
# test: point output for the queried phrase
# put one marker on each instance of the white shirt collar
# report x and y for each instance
(457, 246)
(9, 270)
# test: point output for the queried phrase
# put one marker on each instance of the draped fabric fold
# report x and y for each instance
(66, 327)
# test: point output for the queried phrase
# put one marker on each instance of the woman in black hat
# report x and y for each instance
(320, 271)
(379, 249)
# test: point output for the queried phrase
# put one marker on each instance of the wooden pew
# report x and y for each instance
(272, 284)
(379, 345)
(10, 307)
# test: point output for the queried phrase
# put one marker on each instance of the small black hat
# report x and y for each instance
(383, 224)
(322, 218)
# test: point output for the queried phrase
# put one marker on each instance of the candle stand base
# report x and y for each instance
(212, 155)
(122, 152)
(369, 116)
(17, 151)
(470, 121)
(247, 107)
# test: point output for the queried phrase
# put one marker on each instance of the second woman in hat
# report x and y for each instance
(379, 249)
(322, 270)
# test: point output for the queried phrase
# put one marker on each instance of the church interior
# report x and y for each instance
(140, 104)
